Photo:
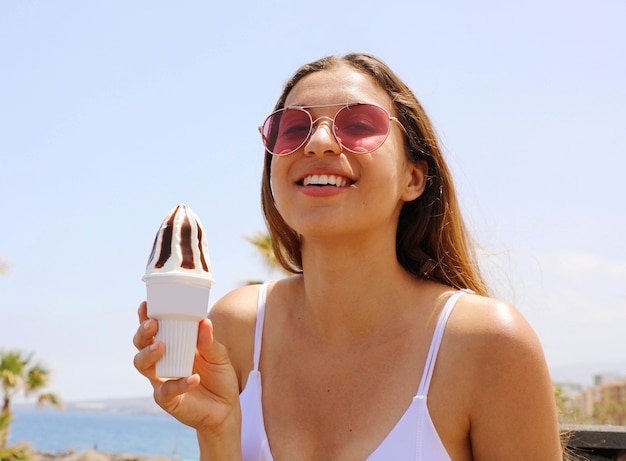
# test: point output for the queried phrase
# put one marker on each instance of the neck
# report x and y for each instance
(351, 289)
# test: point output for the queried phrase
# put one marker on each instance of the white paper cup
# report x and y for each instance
(178, 303)
(180, 338)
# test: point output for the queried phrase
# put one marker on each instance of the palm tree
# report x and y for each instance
(19, 375)
(263, 242)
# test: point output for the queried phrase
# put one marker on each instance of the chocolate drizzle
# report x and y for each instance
(202, 259)
(185, 245)
(166, 243)
(185, 241)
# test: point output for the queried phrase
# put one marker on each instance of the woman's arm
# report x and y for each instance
(513, 413)
(209, 399)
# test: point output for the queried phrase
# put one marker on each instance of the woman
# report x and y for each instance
(384, 345)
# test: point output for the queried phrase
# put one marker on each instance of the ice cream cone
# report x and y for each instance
(179, 337)
(178, 282)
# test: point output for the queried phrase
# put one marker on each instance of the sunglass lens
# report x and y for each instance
(286, 130)
(362, 128)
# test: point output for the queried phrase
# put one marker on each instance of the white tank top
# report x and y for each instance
(413, 438)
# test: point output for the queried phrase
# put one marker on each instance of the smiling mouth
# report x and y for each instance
(325, 180)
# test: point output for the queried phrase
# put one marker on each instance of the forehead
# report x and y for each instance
(337, 86)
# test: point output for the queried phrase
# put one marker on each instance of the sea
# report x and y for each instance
(156, 434)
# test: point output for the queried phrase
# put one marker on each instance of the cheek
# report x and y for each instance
(277, 182)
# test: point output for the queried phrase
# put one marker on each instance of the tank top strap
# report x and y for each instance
(429, 367)
(260, 317)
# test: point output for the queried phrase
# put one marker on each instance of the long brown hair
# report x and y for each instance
(432, 241)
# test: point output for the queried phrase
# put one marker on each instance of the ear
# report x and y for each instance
(417, 174)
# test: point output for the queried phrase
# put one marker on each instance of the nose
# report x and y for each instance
(322, 140)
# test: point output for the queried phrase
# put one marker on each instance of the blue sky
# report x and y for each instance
(111, 113)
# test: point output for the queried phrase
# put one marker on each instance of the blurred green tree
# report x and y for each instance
(263, 243)
(19, 375)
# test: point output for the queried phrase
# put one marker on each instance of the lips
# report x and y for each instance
(325, 180)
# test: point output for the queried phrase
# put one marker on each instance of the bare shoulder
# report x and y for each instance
(491, 322)
(234, 320)
(236, 306)
(497, 340)
(507, 384)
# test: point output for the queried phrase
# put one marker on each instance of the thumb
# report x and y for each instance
(208, 348)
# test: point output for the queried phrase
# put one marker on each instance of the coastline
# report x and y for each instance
(101, 433)
(91, 455)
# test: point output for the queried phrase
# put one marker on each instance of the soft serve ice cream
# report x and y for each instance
(180, 247)
(178, 281)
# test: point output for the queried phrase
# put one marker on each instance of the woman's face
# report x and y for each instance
(323, 190)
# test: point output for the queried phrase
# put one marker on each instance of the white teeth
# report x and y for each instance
(324, 180)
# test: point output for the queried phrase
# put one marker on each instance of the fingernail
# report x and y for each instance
(153, 347)
(146, 324)
(193, 379)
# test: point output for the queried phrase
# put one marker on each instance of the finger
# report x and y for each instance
(143, 312)
(206, 340)
(167, 394)
(145, 360)
(208, 348)
(205, 333)
(144, 336)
